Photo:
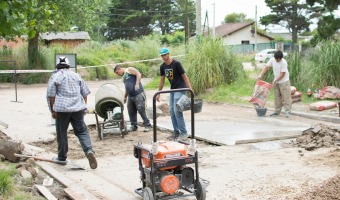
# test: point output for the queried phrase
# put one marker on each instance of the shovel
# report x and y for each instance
(73, 165)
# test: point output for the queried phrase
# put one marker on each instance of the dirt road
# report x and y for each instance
(231, 172)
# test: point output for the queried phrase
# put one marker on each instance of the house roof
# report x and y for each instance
(230, 28)
(81, 35)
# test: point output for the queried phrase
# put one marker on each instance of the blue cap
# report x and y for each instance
(164, 51)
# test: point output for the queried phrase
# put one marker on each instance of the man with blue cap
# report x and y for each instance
(175, 73)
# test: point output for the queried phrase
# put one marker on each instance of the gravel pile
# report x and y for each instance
(319, 136)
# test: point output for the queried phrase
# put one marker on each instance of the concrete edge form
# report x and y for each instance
(266, 139)
(318, 117)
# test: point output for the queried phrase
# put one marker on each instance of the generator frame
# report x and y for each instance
(150, 192)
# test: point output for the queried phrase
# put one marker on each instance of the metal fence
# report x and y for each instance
(9, 65)
(250, 48)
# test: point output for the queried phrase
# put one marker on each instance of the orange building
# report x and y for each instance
(65, 38)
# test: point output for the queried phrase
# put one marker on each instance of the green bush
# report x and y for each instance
(321, 66)
(209, 63)
(294, 68)
(173, 39)
(146, 48)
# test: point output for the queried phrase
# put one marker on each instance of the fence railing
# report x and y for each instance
(250, 48)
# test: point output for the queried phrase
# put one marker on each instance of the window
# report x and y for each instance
(245, 42)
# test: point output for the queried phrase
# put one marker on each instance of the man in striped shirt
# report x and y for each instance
(67, 97)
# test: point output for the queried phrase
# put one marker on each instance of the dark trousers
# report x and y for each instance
(80, 130)
(137, 104)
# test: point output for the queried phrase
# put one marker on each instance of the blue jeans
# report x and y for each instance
(80, 130)
(177, 118)
(137, 104)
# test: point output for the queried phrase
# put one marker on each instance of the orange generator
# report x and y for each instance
(169, 169)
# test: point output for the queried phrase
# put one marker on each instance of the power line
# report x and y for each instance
(126, 15)
(155, 11)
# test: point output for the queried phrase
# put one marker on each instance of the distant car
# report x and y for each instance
(265, 55)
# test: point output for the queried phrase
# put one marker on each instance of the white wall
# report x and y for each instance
(243, 35)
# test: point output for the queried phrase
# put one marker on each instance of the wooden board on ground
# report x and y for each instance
(45, 192)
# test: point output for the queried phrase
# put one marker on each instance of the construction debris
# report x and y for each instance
(318, 136)
(9, 147)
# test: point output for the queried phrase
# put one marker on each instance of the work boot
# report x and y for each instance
(173, 136)
(133, 128)
(92, 159)
(147, 128)
(183, 136)
(274, 114)
(287, 114)
(58, 161)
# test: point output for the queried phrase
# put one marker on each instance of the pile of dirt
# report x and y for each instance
(327, 190)
(319, 136)
(164, 107)
(3, 136)
(28, 170)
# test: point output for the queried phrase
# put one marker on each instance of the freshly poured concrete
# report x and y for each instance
(230, 133)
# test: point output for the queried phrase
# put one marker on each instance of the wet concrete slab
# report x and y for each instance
(231, 132)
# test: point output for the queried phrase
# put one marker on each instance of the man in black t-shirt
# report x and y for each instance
(175, 73)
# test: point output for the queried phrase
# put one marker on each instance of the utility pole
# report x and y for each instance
(255, 28)
(213, 33)
(99, 30)
(186, 31)
(198, 19)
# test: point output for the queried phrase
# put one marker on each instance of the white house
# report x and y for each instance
(240, 33)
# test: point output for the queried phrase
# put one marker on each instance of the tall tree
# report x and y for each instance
(31, 17)
(169, 15)
(291, 14)
(134, 18)
(328, 24)
(129, 19)
(179, 18)
(57, 16)
(12, 16)
(236, 17)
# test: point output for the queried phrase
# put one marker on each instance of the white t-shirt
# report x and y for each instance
(279, 67)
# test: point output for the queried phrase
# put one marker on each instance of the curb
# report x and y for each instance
(318, 117)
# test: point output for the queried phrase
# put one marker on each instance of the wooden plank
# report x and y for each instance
(45, 192)
(74, 195)
(76, 192)
(55, 174)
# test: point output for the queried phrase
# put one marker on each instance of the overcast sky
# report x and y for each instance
(225, 7)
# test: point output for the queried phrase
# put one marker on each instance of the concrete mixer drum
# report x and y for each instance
(109, 105)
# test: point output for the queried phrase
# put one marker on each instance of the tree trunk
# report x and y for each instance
(294, 38)
(33, 50)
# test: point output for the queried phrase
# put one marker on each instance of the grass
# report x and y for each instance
(234, 93)
(15, 187)
(153, 84)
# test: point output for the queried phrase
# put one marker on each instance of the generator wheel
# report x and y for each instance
(200, 191)
(123, 128)
(147, 194)
(98, 129)
(101, 132)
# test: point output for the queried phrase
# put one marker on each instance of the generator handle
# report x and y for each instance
(154, 110)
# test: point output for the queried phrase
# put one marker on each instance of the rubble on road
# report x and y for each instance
(9, 147)
(318, 136)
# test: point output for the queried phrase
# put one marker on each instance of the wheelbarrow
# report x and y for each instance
(109, 105)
